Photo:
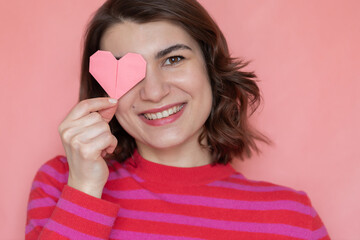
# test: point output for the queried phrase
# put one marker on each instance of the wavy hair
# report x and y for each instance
(236, 95)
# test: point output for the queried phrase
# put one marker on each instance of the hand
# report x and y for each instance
(86, 137)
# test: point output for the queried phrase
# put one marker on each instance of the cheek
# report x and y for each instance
(119, 113)
(126, 120)
(200, 84)
(120, 118)
(202, 88)
(192, 78)
(125, 108)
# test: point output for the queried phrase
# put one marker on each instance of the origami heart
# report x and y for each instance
(117, 77)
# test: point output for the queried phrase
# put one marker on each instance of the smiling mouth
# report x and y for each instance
(163, 114)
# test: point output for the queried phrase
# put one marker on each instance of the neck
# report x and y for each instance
(187, 155)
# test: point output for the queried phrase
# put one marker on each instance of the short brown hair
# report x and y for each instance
(235, 92)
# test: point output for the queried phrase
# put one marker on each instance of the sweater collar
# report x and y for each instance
(180, 176)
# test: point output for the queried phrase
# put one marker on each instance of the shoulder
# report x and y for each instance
(260, 186)
(53, 171)
(266, 202)
(266, 195)
(293, 206)
(50, 179)
(58, 164)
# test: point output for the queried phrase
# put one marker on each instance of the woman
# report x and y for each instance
(155, 163)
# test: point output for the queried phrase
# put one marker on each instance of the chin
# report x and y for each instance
(165, 143)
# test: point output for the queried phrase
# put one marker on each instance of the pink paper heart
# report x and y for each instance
(117, 77)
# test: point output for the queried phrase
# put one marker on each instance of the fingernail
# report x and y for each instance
(112, 100)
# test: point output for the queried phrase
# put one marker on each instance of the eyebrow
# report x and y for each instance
(170, 49)
(166, 51)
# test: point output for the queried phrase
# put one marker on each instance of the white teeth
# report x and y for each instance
(163, 114)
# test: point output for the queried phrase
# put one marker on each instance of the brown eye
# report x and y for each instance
(173, 60)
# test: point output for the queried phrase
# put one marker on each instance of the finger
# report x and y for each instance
(87, 106)
(70, 129)
(87, 134)
(112, 146)
(102, 142)
(80, 124)
(92, 150)
(108, 113)
(110, 149)
(103, 153)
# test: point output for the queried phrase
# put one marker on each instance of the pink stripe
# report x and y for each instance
(35, 223)
(41, 202)
(85, 213)
(237, 176)
(319, 233)
(213, 202)
(128, 235)
(248, 188)
(271, 228)
(62, 178)
(68, 232)
(50, 190)
(123, 173)
(63, 159)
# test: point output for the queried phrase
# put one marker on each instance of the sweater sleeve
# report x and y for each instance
(58, 211)
(318, 229)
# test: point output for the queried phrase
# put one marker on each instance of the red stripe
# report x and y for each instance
(191, 231)
(80, 224)
(57, 164)
(92, 203)
(216, 192)
(47, 179)
(45, 234)
(248, 182)
(85, 213)
(38, 193)
(33, 234)
(270, 228)
(278, 216)
(40, 213)
(127, 183)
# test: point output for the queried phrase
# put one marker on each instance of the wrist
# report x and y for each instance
(94, 190)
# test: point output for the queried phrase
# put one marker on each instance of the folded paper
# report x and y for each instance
(117, 77)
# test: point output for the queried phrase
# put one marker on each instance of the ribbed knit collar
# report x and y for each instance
(180, 176)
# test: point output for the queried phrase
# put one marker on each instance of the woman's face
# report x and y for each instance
(170, 106)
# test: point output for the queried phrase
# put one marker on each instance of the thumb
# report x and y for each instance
(108, 113)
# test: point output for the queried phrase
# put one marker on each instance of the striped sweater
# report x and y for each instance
(145, 200)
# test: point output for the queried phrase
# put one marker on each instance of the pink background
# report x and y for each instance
(306, 54)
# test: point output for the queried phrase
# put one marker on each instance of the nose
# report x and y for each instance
(154, 87)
